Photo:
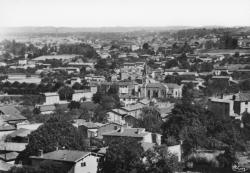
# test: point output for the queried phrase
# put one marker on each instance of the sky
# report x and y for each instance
(127, 13)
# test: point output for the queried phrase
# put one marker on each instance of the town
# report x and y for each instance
(98, 102)
(146, 99)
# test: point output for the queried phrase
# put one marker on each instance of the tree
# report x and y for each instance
(188, 93)
(145, 46)
(54, 133)
(65, 93)
(74, 105)
(159, 160)
(122, 156)
(97, 97)
(150, 120)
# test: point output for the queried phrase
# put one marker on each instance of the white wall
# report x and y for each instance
(50, 100)
(91, 165)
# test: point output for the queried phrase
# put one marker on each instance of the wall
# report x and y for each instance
(50, 100)
(113, 117)
(91, 165)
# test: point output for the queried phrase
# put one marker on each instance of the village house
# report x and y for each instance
(140, 134)
(73, 161)
(51, 98)
(161, 90)
(233, 105)
(93, 78)
(197, 83)
(128, 99)
(82, 95)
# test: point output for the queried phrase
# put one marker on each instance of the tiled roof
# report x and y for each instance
(10, 113)
(5, 166)
(12, 146)
(133, 107)
(7, 127)
(63, 155)
(9, 156)
(128, 132)
(242, 97)
(20, 133)
(89, 125)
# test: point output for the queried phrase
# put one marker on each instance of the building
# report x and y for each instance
(128, 99)
(82, 95)
(11, 115)
(140, 134)
(73, 161)
(161, 90)
(233, 105)
(51, 98)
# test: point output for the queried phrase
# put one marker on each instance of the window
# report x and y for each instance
(83, 164)
(115, 127)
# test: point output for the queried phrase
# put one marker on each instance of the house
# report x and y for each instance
(161, 90)
(81, 95)
(108, 127)
(124, 88)
(51, 98)
(116, 116)
(73, 161)
(233, 105)
(11, 115)
(197, 83)
(46, 109)
(5, 167)
(228, 79)
(20, 135)
(128, 99)
(89, 129)
(133, 109)
(9, 151)
(6, 129)
(93, 78)
(140, 134)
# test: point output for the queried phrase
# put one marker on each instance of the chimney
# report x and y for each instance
(41, 153)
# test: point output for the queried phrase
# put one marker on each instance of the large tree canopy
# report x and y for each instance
(51, 135)
(122, 156)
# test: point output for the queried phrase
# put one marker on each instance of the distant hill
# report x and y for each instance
(88, 29)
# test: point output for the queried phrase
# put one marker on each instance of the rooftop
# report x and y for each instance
(128, 132)
(11, 113)
(63, 155)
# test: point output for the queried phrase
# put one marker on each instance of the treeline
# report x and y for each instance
(79, 49)
(17, 88)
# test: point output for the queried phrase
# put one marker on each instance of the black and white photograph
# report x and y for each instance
(124, 86)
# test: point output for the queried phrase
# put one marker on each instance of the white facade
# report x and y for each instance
(51, 98)
(80, 95)
(89, 164)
